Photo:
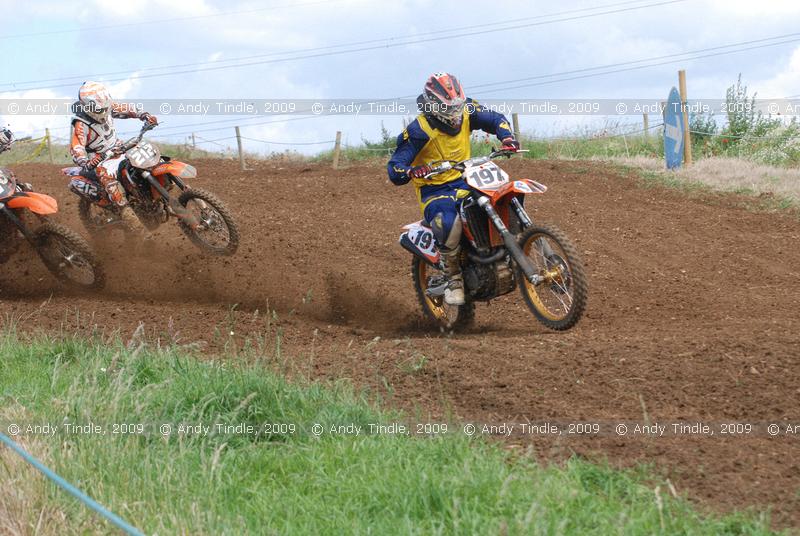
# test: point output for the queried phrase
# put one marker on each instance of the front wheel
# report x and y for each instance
(559, 299)
(68, 257)
(216, 232)
(426, 277)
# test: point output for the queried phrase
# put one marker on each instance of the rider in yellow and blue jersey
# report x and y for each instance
(442, 132)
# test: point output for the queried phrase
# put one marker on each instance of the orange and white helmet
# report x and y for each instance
(6, 138)
(95, 100)
(444, 99)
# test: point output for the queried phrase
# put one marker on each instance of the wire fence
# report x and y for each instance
(743, 136)
(43, 144)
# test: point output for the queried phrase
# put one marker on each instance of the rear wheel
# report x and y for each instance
(216, 233)
(446, 316)
(559, 299)
(68, 257)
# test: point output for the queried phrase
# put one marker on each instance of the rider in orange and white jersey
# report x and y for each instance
(93, 133)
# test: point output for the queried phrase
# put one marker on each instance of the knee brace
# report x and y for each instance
(112, 187)
(447, 231)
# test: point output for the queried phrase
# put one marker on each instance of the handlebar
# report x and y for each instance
(130, 144)
(446, 165)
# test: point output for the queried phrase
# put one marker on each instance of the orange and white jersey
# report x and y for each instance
(90, 136)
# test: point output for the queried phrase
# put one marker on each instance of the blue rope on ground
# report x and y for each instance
(72, 490)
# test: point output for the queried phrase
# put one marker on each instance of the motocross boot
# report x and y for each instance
(126, 214)
(133, 225)
(454, 293)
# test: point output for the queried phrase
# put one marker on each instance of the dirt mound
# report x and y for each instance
(692, 312)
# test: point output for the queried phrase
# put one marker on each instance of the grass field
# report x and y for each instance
(28, 151)
(778, 185)
(284, 482)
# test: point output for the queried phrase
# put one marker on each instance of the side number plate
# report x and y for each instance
(422, 239)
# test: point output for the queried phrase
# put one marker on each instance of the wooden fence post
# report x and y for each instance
(515, 123)
(646, 125)
(337, 149)
(241, 153)
(49, 145)
(687, 136)
(194, 143)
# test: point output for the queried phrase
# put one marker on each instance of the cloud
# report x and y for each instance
(144, 9)
(748, 8)
(35, 125)
(389, 71)
(125, 88)
(785, 83)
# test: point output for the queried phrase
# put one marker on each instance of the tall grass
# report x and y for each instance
(776, 187)
(290, 483)
(747, 133)
(22, 151)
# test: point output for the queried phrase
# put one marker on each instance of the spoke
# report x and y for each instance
(541, 252)
(564, 288)
(564, 305)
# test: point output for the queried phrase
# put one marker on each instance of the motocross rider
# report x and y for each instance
(6, 137)
(442, 132)
(93, 134)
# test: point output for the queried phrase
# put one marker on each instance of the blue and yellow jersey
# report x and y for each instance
(421, 143)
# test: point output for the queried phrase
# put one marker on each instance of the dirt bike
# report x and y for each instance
(501, 249)
(148, 177)
(65, 254)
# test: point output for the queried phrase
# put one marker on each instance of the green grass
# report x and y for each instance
(23, 150)
(757, 187)
(296, 483)
(357, 153)
(582, 148)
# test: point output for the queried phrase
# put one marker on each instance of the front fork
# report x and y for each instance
(521, 214)
(541, 243)
(17, 221)
(178, 209)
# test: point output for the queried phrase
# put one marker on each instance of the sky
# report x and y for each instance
(49, 47)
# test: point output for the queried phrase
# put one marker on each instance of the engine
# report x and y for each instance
(478, 223)
(151, 212)
(487, 281)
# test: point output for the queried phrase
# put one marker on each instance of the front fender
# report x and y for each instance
(175, 168)
(522, 186)
(35, 202)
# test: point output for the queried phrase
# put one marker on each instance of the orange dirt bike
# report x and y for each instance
(501, 249)
(68, 257)
(148, 178)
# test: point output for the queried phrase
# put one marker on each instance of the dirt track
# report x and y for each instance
(693, 311)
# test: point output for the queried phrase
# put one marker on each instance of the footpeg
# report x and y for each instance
(437, 291)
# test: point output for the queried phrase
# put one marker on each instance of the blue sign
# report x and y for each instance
(673, 130)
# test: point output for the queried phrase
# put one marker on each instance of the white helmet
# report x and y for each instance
(95, 100)
(6, 137)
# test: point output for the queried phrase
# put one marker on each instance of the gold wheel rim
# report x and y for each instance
(438, 311)
(554, 275)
